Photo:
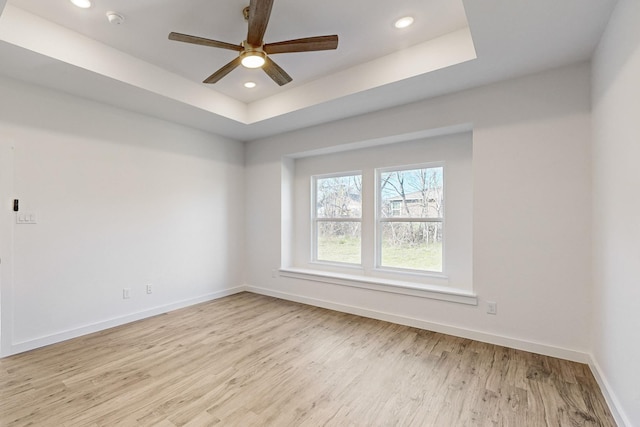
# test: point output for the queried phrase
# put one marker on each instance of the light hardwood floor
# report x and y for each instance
(250, 360)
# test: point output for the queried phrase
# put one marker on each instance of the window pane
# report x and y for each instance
(339, 197)
(413, 245)
(339, 241)
(414, 193)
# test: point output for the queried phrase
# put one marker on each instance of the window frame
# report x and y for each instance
(455, 148)
(379, 220)
(371, 221)
(315, 220)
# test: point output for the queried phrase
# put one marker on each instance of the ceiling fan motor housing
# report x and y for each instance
(253, 52)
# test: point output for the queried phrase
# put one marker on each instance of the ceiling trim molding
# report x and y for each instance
(511, 39)
(28, 31)
(36, 34)
(442, 52)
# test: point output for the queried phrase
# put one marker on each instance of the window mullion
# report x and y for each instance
(341, 219)
(368, 220)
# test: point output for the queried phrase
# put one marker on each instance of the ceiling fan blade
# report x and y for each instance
(259, 13)
(215, 77)
(308, 44)
(204, 42)
(275, 72)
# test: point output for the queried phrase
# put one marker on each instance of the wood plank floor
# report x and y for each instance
(250, 360)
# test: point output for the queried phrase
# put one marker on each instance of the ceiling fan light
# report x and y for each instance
(84, 4)
(404, 22)
(253, 59)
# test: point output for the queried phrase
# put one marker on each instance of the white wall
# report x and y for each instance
(122, 200)
(616, 255)
(531, 212)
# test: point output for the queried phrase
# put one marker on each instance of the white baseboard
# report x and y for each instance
(23, 346)
(610, 397)
(533, 347)
(612, 401)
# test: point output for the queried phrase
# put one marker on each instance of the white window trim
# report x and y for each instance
(440, 293)
(296, 252)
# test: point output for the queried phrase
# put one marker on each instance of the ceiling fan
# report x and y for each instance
(254, 52)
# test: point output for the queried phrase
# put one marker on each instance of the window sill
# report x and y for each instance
(383, 285)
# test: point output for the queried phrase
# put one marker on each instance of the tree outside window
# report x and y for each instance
(410, 218)
(337, 218)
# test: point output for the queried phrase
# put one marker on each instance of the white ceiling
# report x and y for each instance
(450, 47)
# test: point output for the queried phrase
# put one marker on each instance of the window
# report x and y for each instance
(396, 207)
(337, 217)
(410, 218)
(392, 216)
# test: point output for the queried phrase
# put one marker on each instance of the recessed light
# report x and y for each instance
(85, 4)
(250, 85)
(404, 22)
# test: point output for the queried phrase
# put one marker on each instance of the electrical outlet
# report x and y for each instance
(492, 307)
(274, 273)
(26, 218)
(149, 289)
(126, 293)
